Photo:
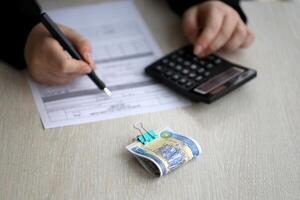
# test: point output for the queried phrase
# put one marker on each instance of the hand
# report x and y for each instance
(213, 25)
(48, 63)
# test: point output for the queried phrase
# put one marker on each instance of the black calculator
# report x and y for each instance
(199, 79)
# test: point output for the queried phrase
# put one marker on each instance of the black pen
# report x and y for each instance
(67, 45)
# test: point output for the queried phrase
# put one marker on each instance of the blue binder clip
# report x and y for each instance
(145, 136)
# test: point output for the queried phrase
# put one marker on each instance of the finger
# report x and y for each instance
(60, 61)
(81, 44)
(63, 77)
(90, 60)
(249, 39)
(238, 37)
(228, 26)
(75, 67)
(190, 24)
(210, 31)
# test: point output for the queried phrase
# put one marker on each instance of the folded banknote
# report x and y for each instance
(168, 151)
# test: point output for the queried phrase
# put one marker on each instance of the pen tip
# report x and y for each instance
(107, 91)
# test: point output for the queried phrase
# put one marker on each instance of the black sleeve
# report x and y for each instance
(179, 6)
(17, 18)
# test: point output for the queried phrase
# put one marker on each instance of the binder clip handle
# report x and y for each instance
(145, 135)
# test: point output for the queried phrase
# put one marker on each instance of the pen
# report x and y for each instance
(66, 44)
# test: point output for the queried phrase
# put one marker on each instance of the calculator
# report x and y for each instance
(199, 79)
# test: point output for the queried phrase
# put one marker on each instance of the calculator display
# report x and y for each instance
(218, 80)
(233, 82)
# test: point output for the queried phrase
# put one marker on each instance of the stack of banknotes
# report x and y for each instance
(165, 153)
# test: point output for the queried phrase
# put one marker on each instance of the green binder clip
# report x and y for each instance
(147, 136)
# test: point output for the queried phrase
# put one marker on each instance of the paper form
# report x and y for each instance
(122, 48)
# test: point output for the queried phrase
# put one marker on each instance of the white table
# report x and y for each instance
(250, 138)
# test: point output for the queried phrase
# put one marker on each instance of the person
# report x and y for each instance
(210, 25)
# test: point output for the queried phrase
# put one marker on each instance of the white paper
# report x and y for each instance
(122, 48)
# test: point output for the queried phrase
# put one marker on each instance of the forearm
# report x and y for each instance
(180, 6)
(17, 18)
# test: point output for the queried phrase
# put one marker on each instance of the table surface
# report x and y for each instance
(250, 138)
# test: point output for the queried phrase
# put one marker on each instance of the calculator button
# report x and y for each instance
(201, 70)
(183, 80)
(169, 73)
(187, 63)
(199, 78)
(206, 73)
(178, 68)
(171, 64)
(189, 84)
(165, 61)
(180, 60)
(194, 67)
(209, 66)
(202, 62)
(218, 61)
(185, 71)
(192, 75)
(175, 77)
(159, 68)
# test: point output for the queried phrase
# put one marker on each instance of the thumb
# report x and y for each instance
(190, 24)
